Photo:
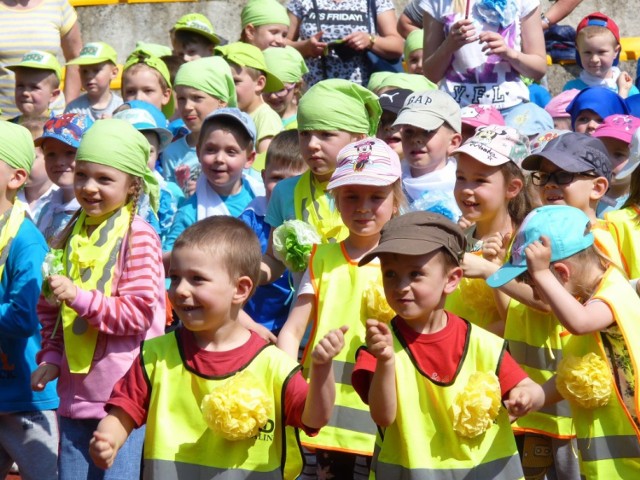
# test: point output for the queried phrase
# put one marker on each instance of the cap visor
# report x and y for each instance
(562, 160)
(505, 274)
(273, 84)
(401, 246)
(89, 61)
(360, 180)
(491, 158)
(418, 119)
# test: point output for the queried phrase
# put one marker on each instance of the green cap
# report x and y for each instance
(211, 75)
(286, 63)
(40, 60)
(16, 146)
(413, 42)
(338, 104)
(247, 55)
(116, 143)
(264, 12)
(95, 52)
(142, 55)
(155, 49)
(197, 23)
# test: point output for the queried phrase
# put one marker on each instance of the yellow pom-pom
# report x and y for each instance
(238, 408)
(375, 303)
(478, 296)
(477, 406)
(584, 380)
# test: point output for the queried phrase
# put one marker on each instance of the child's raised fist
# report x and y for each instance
(329, 346)
(379, 340)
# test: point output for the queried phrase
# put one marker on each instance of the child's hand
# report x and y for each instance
(62, 288)
(474, 266)
(43, 375)
(379, 340)
(314, 47)
(494, 248)
(538, 255)
(102, 449)
(494, 44)
(525, 397)
(625, 82)
(464, 223)
(461, 33)
(330, 346)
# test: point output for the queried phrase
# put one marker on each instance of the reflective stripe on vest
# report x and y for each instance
(177, 432)
(608, 438)
(421, 443)
(335, 277)
(534, 342)
(167, 470)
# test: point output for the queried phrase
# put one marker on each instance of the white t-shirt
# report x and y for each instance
(472, 76)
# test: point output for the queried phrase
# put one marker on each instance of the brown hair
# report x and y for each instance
(141, 66)
(233, 127)
(520, 205)
(173, 63)
(254, 73)
(230, 240)
(284, 152)
(185, 37)
(52, 78)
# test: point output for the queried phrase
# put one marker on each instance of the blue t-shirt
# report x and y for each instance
(19, 326)
(578, 84)
(281, 206)
(176, 154)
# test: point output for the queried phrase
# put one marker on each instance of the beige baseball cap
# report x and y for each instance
(429, 109)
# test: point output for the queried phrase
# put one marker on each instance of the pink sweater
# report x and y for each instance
(134, 312)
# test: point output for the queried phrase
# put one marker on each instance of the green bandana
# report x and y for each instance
(211, 75)
(337, 104)
(413, 42)
(116, 143)
(376, 79)
(286, 63)
(264, 12)
(409, 81)
(16, 146)
(246, 55)
(144, 55)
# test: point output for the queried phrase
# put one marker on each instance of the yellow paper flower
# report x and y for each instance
(477, 406)
(478, 296)
(584, 380)
(375, 303)
(238, 408)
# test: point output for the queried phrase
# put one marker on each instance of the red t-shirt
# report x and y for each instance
(132, 393)
(437, 354)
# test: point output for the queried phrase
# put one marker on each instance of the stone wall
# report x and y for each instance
(122, 25)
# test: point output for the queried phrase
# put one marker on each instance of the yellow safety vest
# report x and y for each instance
(608, 438)
(421, 444)
(314, 206)
(625, 228)
(535, 343)
(604, 241)
(10, 224)
(178, 442)
(339, 285)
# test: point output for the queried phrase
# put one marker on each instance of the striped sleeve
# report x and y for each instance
(139, 295)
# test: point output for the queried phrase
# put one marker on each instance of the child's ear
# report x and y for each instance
(454, 276)
(260, 84)
(562, 270)
(250, 32)
(456, 140)
(600, 187)
(18, 177)
(54, 95)
(251, 157)
(244, 286)
(514, 187)
(166, 96)
(114, 72)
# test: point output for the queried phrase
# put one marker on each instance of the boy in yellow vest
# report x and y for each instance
(434, 382)
(215, 397)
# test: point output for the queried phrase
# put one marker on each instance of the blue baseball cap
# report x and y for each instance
(67, 128)
(143, 121)
(159, 117)
(568, 229)
(528, 118)
(235, 115)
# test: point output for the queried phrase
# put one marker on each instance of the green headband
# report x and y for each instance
(413, 42)
(337, 104)
(286, 63)
(264, 12)
(247, 55)
(211, 75)
(408, 81)
(116, 143)
(144, 55)
(16, 146)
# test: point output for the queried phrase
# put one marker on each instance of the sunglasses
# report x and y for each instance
(560, 177)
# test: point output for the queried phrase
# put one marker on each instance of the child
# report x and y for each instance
(474, 116)
(367, 189)
(27, 419)
(202, 86)
(555, 253)
(430, 132)
(557, 108)
(591, 106)
(598, 53)
(529, 119)
(288, 65)
(214, 269)
(413, 51)
(109, 298)
(252, 79)
(193, 37)
(98, 67)
(265, 23)
(324, 130)
(415, 372)
(490, 192)
(391, 103)
(270, 305)
(37, 84)
(146, 77)
(59, 143)
(616, 132)
(225, 149)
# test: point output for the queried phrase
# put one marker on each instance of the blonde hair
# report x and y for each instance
(399, 198)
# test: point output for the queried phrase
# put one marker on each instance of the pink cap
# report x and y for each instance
(481, 115)
(621, 127)
(366, 162)
(557, 107)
